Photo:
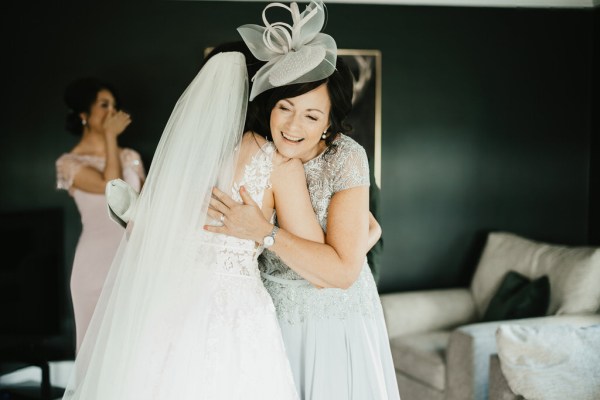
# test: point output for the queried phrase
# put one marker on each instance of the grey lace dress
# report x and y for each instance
(335, 339)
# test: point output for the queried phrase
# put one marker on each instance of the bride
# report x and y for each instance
(184, 313)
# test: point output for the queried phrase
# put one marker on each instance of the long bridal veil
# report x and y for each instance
(153, 298)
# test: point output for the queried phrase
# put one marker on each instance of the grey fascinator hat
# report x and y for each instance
(296, 53)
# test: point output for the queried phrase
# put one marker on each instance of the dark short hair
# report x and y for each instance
(340, 89)
(252, 66)
(252, 63)
(79, 97)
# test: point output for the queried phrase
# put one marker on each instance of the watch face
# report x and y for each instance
(268, 241)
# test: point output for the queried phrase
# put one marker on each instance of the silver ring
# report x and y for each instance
(222, 218)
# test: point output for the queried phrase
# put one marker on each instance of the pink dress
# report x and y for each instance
(100, 237)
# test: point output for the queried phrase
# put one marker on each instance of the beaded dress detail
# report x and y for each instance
(345, 167)
(239, 256)
(336, 339)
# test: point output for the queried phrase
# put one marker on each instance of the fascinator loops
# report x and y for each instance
(296, 53)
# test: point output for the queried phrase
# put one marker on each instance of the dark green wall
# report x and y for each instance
(486, 127)
(595, 139)
(486, 113)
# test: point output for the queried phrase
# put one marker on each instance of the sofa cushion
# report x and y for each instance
(421, 356)
(572, 271)
(518, 297)
(551, 361)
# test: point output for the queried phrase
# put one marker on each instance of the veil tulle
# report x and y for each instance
(155, 291)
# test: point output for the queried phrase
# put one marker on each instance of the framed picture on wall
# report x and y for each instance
(366, 102)
(366, 123)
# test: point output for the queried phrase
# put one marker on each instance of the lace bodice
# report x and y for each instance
(343, 168)
(230, 254)
(328, 174)
(92, 206)
(69, 164)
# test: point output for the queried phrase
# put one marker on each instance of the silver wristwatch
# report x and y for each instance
(269, 240)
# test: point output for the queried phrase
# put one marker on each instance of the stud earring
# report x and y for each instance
(324, 135)
(83, 122)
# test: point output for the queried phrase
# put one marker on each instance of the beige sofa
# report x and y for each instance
(441, 351)
(546, 361)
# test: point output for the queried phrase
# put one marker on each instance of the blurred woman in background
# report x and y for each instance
(95, 117)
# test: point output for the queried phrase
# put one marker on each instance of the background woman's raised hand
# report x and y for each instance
(115, 123)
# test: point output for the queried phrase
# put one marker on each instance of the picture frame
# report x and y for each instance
(365, 117)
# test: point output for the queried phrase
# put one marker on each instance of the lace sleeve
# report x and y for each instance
(131, 160)
(67, 167)
(353, 168)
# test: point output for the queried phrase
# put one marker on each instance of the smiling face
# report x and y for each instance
(104, 105)
(297, 124)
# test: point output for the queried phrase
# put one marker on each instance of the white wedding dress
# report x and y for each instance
(245, 352)
(184, 314)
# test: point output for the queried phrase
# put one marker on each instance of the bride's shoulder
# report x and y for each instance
(253, 144)
(251, 140)
(249, 146)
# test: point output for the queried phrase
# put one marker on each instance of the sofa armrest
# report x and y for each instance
(470, 347)
(423, 311)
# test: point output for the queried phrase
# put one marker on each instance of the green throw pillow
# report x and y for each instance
(518, 297)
